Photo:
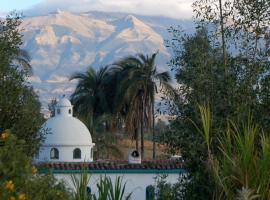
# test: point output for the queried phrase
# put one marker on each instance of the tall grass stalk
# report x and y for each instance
(103, 188)
(109, 191)
(241, 164)
(117, 192)
(206, 126)
(80, 183)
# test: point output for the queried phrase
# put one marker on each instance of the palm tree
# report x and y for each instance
(139, 86)
(122, 100)
(92, 100)
(89, 98)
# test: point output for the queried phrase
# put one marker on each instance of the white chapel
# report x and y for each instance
(68, 144)
(68, 139)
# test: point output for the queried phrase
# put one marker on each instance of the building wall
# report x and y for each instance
(65, 154)
(136, 182)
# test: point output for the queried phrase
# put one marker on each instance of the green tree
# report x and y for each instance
(199, 72)
(240, 166)
(19, 105)
(89, 98)
(140, 84)
(232, 94)
(19, 178)
(93, 101)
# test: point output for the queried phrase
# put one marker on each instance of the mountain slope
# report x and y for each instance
(62, 43)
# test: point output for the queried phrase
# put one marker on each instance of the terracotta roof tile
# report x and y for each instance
(113, 165)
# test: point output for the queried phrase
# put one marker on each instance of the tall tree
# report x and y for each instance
(89, 97)
(140, 86)
(215, 12)
(19, 105)
(232, 94)
(93, 101)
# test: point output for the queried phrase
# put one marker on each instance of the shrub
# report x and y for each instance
(19, 179)
(240, 167)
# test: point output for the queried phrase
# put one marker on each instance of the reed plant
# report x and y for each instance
(106, 189)
(80, 183)
(240, 166)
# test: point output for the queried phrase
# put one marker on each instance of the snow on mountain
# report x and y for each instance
(62, 43)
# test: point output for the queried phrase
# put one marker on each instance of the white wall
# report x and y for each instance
(65, 154)
(136, 183)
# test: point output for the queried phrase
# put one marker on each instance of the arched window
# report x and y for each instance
(54, 154)
(69, 111)
(58, 111)
(76, 153)
(135, 154)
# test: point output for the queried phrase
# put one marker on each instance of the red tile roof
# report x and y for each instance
(113, 166)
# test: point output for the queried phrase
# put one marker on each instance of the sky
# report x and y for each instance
(170, 8)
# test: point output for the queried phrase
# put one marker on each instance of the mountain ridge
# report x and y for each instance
(62, 43)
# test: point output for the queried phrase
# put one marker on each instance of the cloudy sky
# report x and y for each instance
(169, 8)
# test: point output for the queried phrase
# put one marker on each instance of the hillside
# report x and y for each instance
(62, 43)
(125, 145)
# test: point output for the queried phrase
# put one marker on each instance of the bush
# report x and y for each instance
(240, 167)
(19, 179)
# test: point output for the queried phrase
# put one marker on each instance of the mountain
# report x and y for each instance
(62, 43)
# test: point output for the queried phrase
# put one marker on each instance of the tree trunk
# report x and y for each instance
(222, 35)
(137, 139)
(91, 123)
(142, 134)
(153, 130)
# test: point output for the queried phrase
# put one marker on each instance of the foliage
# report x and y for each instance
(103, 189)
(89, 98)
(80, 184)
(107, 147)
(93, 105)
(19, 105)
(240, 167)
(116, 191)
(224, 64)
(200, 80)
(169, 191)
(19, 178)
(106, 189)
(137, 88)
(117, 94)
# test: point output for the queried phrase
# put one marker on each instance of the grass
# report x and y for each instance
(240, 166)
(107, 189)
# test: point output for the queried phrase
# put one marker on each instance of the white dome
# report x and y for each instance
(64, 102)
(67, 138)
(66, 131)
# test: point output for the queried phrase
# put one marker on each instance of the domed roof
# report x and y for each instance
(66, 131)
(64, 102)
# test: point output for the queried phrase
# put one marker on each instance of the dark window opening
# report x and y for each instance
(77, 153)
(54, 154)
(58, 111)
(135, 154)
